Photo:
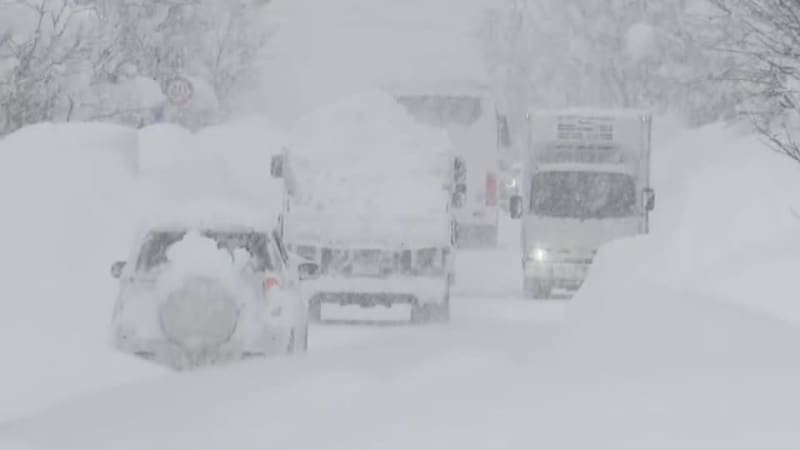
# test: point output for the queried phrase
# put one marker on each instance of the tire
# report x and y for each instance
(492, 236)
(315, 312)
(432, 313)
(537, 290)
(304, 348)
(291, 348)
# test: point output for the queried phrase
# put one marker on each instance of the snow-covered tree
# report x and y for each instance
(212, 41)
(44, 47)
(764, 36)
(615, 53)
(112, 59)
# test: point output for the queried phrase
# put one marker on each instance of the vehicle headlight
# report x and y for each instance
(538, 254)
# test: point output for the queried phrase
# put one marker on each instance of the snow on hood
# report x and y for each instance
(366, 155)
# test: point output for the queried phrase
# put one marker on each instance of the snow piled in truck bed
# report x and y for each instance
(367, 157)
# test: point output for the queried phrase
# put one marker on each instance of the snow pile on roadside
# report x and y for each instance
(244, 149)
(73, 196)
(366, 155)
(67, 192)
(723, 225)
(655, 371)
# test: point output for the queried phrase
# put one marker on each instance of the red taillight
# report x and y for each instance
(491, 189)
(270, 283)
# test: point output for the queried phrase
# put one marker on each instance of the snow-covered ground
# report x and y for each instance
(682, 339)
(72, 197)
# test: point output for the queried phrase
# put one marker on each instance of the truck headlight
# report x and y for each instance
(538, 254)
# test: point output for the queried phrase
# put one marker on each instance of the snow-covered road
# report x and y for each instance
(678, 373)
(672, 344)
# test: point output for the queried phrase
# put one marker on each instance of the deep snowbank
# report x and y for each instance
(72, 197)
(723, 225)
(67, 195)
(647, 370)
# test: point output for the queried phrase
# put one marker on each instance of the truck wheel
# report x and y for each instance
(443, 315)
(537, 290)
(291, 348)
(491, 237)
(304, 347)
(432, 313)
(315, 312)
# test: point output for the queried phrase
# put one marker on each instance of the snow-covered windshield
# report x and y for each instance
(443, 111)
(155, 248)
(585, 195)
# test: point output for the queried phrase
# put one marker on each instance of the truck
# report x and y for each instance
(479, 132)
(586, 182)
(370, 196)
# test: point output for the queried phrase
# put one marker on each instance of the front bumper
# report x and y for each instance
(370, 292)
(568, 276)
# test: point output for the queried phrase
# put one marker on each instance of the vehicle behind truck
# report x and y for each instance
(370, 195)
(586, 182)
(479, 133)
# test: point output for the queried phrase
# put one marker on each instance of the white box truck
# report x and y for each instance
(586, 182)
(478, 132)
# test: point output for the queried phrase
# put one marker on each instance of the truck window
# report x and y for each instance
(585, 195)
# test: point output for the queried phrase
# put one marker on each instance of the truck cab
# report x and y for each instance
(586, 183)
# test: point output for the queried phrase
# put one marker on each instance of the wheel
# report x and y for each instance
(304, 348)
(315, 312)
(291, 347)
(432, 313)
(491, 236)
(537, 289)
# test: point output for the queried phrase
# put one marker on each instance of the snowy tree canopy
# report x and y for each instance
(64, 60)
(618, 53)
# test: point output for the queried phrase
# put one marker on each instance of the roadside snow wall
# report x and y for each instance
(71, 198)
(724, 226)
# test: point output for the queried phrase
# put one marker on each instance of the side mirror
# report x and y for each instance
(308, 271)
(649, 199)
(459, 196)
(276, 166)
(117, 268)
(515, 207)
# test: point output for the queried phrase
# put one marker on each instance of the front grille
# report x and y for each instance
(200, 315)
(363, 299)
(377, 263)
(567, 256)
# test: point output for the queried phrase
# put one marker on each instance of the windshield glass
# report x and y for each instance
(585, 195)
(157, 243)
(442, 111)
